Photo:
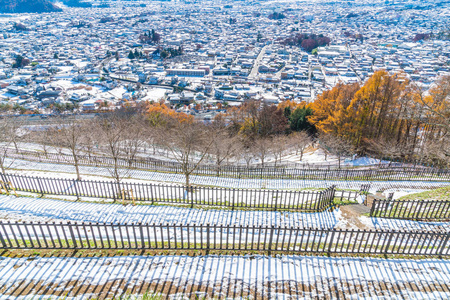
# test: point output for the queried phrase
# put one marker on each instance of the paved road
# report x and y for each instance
(254, 72)
(152, 85)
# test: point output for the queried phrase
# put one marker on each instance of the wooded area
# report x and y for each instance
(388, 117)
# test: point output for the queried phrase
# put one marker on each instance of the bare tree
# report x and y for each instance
(336, 145)
(320, 143)
(247, 153)
(189, 143)
(43, 139)
(133, 139)
(71, 134)
(223, 147)
(437, 151)
(89, 140)
(151, 136)
(300, 140)
(278, 147)
(261, 149)
(110, 132)
(389, 149)
(8, 139)
(17, 125)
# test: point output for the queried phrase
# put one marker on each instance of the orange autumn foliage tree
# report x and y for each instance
(437, 103)
(382, 110)
(379, 110)
(435, 135)
(331, 109)
(291, 104)
(160, 114)
(245, 115)
(288, 103)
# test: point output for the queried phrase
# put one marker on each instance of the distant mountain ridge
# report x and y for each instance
(27, 6)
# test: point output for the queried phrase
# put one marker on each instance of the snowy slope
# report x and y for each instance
(67, 171)
(38, 209)
(41, 209)
(272, 277)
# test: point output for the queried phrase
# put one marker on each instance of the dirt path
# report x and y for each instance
(351, 216)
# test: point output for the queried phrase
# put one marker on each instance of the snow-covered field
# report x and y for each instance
(42, 210)
(311, 157)
(37, 209)
(249, 277)
(67, 171)
(231, 277)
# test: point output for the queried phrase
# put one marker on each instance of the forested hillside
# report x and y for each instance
(388, 116)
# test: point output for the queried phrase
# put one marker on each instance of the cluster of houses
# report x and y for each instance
(205, 53)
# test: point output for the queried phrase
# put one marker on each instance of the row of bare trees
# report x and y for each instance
(9, 137)
(128, 135)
